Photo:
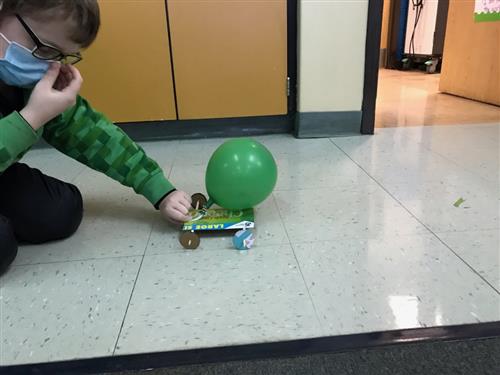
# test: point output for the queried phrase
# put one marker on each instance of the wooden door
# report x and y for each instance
(127, 71)
(229, 57)
(471, 57)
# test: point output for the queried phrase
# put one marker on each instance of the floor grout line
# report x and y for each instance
(424, 225)
(73, 180)
(78, 260)
(132, 291)
(300, 268)
(452, 161)
(174, 159)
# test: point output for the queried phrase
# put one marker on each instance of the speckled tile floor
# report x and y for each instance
(360, 235)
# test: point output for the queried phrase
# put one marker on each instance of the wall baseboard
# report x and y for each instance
(327, 124)
(209, 128)
(382, 58)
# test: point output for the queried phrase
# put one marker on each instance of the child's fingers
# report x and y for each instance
(63, 74)
(179, 216)
(181, 208)
(67, 73)
(76, 81)
(75, 73)
(62, 81)
(51, 76)
(184, 213)
(183, 201)
(65, 77)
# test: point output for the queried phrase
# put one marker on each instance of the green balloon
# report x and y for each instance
(240, 174)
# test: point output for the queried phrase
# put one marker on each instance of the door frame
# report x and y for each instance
(372, 56)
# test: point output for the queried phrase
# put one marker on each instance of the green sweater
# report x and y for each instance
(87, 136)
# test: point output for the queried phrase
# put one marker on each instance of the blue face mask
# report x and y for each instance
(19, 67)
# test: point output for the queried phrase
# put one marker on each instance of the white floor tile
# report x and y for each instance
(355, 212)
(196, 151)
(163, 152)
(214, 298)
(480, 249)
(64, 310)
(403, 162)
(385, 141)
(392, 283)
(189, 177)
(483, 161)
(287, 145)
(433, 204)
(463, 136)
(312, 163)
(54, 163)
(296, 173)
(199, 151)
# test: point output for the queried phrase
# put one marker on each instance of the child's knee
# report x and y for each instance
(72, 213)
(65, 218)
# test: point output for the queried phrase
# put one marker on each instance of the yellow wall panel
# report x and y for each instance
(230, 57)
(127, 72)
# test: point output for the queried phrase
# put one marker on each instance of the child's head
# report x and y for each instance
(67, 25)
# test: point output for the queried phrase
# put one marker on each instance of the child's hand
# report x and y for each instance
(55, 93)
(64, 78)
(175, 207)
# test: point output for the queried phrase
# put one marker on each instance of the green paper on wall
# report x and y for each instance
(487, 10)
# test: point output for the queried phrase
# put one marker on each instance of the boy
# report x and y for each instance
(40, 42)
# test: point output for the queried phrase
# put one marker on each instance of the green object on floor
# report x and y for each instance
(459, 202)
(240, 174)
(220, 219)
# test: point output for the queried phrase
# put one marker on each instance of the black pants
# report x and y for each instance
(34, 208)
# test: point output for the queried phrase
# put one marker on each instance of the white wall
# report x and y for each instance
(331, 54)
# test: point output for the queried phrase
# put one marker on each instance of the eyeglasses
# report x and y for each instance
(43, 51)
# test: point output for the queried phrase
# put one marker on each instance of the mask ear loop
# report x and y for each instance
(5, 38)
(17, 44)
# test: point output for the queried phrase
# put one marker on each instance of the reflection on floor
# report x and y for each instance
(413, 99)
(361, 234)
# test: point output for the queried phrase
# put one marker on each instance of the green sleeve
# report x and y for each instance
(16, 137)
(87, 136)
